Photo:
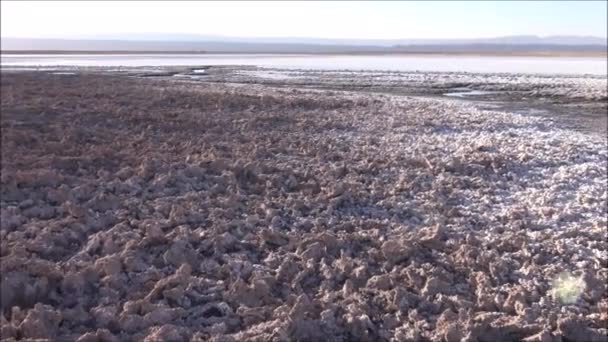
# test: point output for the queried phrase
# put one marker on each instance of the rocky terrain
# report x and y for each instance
(153, 209)
(579, 102)
(570, 87)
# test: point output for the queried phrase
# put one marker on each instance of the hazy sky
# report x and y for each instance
(373, 20)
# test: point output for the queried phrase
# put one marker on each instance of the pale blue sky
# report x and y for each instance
(366, 20)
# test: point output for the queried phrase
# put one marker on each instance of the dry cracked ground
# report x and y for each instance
(154, 210)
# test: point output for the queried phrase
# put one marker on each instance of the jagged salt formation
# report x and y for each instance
(149, 210)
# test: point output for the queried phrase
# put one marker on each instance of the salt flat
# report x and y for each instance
(230, 209)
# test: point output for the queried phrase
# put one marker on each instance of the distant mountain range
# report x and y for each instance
(171, 42)
(185, 37)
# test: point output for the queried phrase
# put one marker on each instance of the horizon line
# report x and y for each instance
(90, 36)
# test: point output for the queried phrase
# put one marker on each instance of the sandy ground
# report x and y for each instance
(157, 210)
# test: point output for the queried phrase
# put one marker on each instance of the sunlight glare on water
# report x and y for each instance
(439, 63)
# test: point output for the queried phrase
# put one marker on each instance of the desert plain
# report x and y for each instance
(247, 204)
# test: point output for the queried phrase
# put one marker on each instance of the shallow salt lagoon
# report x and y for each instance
(440, 63)
(470, 93)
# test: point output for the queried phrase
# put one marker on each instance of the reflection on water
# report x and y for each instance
(470, 93)
(483, 64)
